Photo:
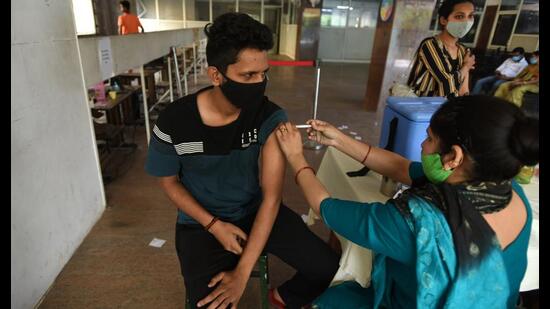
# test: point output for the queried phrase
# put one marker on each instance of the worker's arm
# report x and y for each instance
(231, 284)
(382, 161)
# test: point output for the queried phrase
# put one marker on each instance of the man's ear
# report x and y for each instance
(453, 159)
(215, 76)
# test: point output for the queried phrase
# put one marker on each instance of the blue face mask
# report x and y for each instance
(516, 58)
(533, 60)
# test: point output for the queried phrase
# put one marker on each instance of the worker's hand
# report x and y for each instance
(230, 236)
(230, 289)
(323, 133)
(290, 141)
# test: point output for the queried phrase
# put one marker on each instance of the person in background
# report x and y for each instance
(507, 71)
(526, 81)
(128, 23)
(458, 237)
(441, 66)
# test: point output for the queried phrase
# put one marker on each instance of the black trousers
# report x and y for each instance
(202, 257)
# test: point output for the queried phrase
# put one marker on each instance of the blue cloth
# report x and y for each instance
(415, 265)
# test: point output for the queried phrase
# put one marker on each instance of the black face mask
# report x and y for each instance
(243, 95)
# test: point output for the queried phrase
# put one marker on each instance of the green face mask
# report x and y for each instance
(433, 168)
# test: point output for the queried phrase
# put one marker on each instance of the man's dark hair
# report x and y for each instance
(125, 5)
(448, 6)
(519, 50)
(536, 53)
(229, 34)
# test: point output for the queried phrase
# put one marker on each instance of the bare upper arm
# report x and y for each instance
(166, 181)
(272, 167)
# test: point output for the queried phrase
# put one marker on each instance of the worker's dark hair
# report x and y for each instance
(232, 32)
(496, 135)
(125, 4)
(536, 53)
(448, 6)
(519, 50)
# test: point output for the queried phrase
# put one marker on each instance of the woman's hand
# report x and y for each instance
(323, 133)
(290, 141)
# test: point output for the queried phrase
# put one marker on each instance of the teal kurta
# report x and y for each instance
(404, 269)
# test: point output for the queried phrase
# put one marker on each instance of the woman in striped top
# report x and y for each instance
(442, 65)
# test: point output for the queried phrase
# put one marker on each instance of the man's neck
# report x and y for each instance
(214, 108)
(220, 104)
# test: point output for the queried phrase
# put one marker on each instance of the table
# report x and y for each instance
(150, 84)
(356, 261)
(119, 110)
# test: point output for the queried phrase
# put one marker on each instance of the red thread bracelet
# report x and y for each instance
(363, 162)
(303, 168)
(211, 223)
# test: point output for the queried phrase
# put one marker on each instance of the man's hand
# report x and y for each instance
(229, 291)
(230, 236)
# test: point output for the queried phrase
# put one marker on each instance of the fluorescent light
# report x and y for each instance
(342, 7)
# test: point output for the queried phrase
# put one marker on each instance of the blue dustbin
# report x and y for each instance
(409, 117)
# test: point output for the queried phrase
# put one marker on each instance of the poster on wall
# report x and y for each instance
(105, 58)
(386, 9)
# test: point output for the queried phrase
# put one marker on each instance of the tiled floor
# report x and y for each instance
(115, 268)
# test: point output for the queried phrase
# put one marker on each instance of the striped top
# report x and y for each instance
(218, 166)
(433, 73)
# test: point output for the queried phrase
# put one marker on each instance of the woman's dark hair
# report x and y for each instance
(232, 32)
(125, 5)
(493, 132)
(448, 6)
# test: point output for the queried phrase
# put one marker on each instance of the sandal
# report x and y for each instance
(273, 301)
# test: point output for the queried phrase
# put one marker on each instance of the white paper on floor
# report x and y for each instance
(358, 138)
(344, 126)
(157, 242)
(353, 133)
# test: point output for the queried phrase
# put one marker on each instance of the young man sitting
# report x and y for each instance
(208, 149)
(507, 71)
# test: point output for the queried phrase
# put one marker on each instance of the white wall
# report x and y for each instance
(56, 189)
(288, 40)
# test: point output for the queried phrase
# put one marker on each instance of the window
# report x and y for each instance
(503, 29)
(197, 10)
(220, 7)
(528, 21)
(334, 13)
(147, 9)
(363, 14)
(509, 5)
(252, 8)
(83, 12)
(171, 9)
